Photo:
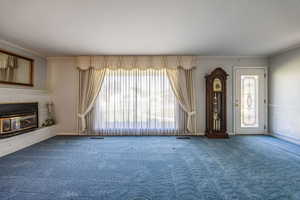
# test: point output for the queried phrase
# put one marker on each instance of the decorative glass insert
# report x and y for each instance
(249, 101)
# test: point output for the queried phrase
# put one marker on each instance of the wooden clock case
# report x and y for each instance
(216, 104)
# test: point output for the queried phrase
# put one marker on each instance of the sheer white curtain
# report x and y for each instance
(137, 102)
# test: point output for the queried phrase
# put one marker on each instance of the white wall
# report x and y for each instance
(63, 84)
(63, 88)
(284, 95)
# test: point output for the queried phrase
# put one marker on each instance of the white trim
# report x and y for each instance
(288, 107)
(254, 132)
(284, 50)
(198, 56)
(67, 133)
(61, 58)
(74, 133)
(267, 101)
(23, 91)
(22, 48)
(234, 97)
(286, 138)
(78, 134)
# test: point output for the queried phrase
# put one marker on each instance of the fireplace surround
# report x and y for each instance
(17, 118)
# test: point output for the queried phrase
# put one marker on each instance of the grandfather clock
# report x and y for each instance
(216, 104)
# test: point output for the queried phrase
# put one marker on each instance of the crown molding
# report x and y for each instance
(61, 57)
(22, 48)
(197, 57)
(285, 50)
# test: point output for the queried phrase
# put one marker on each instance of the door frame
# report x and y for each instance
(265, 68)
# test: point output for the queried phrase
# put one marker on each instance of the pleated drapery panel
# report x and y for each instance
(182, 83)
(90, 83)
(136, 102)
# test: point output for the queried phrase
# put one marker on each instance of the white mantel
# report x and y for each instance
(18, 142)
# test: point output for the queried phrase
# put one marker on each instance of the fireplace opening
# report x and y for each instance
(17, 118)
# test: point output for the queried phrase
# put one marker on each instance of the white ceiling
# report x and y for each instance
(151, 27)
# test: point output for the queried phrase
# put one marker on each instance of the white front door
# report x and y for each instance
(250, 101)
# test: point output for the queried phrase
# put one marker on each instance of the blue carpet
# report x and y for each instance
(153, 168)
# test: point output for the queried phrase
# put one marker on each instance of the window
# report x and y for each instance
(137, 101)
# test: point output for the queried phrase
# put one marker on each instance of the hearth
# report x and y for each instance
(17, 118)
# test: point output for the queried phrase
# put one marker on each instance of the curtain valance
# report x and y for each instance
(133, 62)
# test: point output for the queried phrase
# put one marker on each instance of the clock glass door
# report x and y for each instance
(250, 101)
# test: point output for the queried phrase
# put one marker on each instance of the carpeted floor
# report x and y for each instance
(148, 168)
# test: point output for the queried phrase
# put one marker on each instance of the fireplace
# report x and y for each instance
(17, 118)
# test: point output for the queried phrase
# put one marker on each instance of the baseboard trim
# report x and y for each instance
(286, 138)
(68, 133)
(197, 134)
(80, 134)
(16, 143)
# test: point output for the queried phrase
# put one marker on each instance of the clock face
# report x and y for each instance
(217, 85)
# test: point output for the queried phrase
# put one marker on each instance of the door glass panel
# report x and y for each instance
(249, 101)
